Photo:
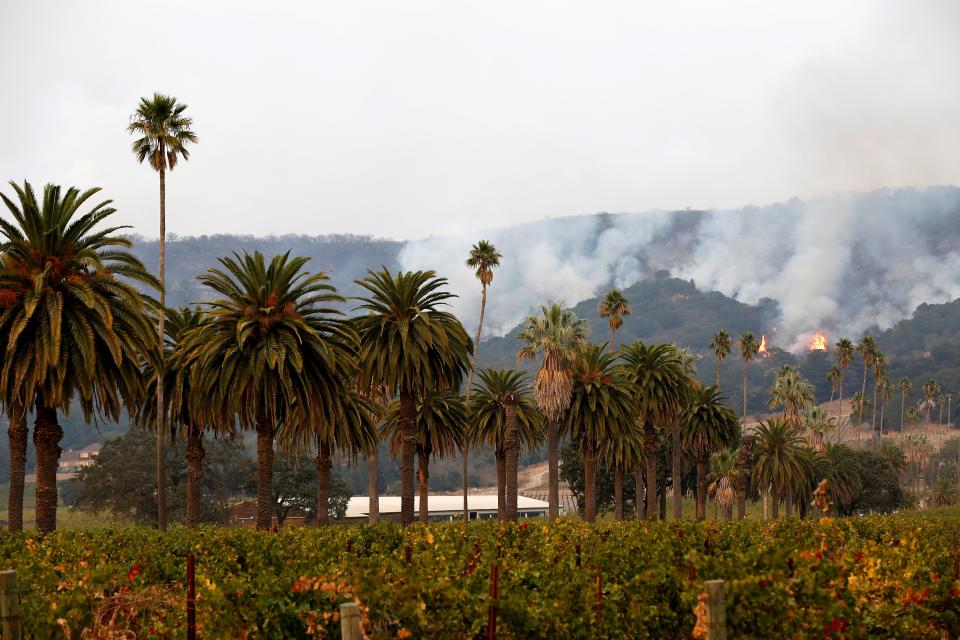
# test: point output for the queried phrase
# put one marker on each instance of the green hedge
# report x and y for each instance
(876, 577)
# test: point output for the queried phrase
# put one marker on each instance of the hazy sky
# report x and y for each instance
(413, 118)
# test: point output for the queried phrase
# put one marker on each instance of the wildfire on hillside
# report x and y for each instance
(818, 342)
(762, 350)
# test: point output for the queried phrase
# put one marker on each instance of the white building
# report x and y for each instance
(446, 508)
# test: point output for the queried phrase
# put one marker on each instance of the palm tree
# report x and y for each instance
(930, 389)
(602, 409)
(180, 364)
(833, 375)
(442, 421)
(867, 348)
(709, 425)
(410, 345)
(506, 418)
(274, 357)
(721, 344)
(660, 375)
(905, 387)
(723, 476)
(614, 306)
(558, 337)
(879, 373)
(748, 348)
(886, 393)
(792, 392)
(73, 325)
(483, 258)
(845, 353)
(840, 467)
(17, 432)
(818, 423)
(779, 459)
(164, 135)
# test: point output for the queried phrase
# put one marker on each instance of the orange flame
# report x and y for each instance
(763, 346)
(818, 342)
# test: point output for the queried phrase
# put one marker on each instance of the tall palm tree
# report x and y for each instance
(709, 425)
(73, 324)
(721, 344)
(660, 375)
(442, 422)
(748, 348)
(410, 345)
(905, 388)
(792, 392)
(779, 464)
(613, 306)
(180, 364)
(506, 418)
(163, 136)
(879, 373)
(275, 355)
(886, 393)
(602, 409)
(557, 337)
(724, 475)
(483, 259)
(930, 390)
(833, 376)
(845, 353)
(867, 348)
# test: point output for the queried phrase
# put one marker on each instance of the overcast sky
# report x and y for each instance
(411, 118)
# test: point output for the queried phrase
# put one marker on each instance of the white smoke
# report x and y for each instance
(841, 263)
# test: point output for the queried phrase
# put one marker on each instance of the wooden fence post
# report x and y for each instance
(191, 597)
(716, 610)
(350, 621)
(9, 606)
(492, 609)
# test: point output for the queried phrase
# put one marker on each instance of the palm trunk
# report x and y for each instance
(373, 508)
(883, 407)
(743, 479)
(195, 455)
(161, 415)
(788, 501)
(728, 511)
(746, 370)
(718, 372)
(638, 501)
(613, 337)
(873, 419)
(500, 457)
(17, 433)
(408, 447)
(423, 476)
(774, 504)
(324, 465)
(511, 445)
(650, 453)
(840, 407)
(903, 403)
(589, 481)
(618, 492)
(663, 501)
(863, 397)
(46, 440)
(553, 470)
(264, 474)
(473, 365)
(701, 489)
(676, 470)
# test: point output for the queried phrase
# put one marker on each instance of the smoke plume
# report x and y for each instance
(841, 263)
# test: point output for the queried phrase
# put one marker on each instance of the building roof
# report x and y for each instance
(359, 506)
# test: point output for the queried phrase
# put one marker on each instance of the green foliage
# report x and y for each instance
(295, 489)
(121, 480)
(876, 577)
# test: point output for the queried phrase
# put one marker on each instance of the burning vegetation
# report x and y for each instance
(818, 342)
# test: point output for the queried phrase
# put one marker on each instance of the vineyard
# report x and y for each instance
(876, 577)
